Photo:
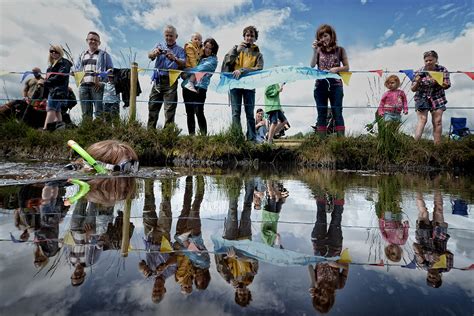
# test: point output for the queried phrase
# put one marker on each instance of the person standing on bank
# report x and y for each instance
(240, 60)
(93, 61)
(328, 56)
(57, 82)
(194, 101)
(167, 55)
(430, 96)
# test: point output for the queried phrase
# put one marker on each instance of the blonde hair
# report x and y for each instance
(112, 151)
(393, 252)
(57, 48)
(392, 77)
(196, 34)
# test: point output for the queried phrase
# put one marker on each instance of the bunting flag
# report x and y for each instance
(165, 245)
(78, 77)
(16, 241)
(192, 247)
(471, 267)
(469, 74)
(266, 77)
(345, 256)
(411, 265)
(103, 74)
(25, 74)
(346, 77)
(140, 69)
(3, 73)
(409, 73)
(441, 263)
(437, 76)
(199, 76)
(174, 74)
(379, 72)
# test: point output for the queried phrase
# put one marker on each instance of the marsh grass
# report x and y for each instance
(388, 148)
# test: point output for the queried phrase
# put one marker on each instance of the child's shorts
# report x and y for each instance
(274, 116)
(392, 117)
(55, 105)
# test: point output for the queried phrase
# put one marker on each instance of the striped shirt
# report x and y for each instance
(89, 64)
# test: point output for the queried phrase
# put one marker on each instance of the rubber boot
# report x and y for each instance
(321, 134)
(340, 133)
(51, 126)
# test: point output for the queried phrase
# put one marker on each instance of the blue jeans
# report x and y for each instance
(89, 97)
(323, 92)
(248, 96)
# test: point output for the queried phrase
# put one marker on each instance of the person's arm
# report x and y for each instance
(446, 81)
(26, 88)
(314, 60)
(416, 82)
(108, 61)
(380, 110)
(405, 102)
(272, 91)
(345, 63)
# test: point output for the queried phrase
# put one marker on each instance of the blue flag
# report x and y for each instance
(409, 73)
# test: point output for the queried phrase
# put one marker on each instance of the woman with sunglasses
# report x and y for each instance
(430, 96)
(57, 82)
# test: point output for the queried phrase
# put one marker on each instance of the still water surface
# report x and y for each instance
(299, 244)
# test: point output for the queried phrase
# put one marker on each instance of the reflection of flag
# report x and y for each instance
(380, 264)
(192, 247)
(411, 265)
(165, 245)
(345, 257)
(199, 76)
(441, 263)
(15, 240)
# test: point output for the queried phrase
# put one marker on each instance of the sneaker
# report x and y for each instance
(190, 87)
(60, 125)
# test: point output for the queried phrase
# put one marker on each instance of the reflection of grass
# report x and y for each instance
(158, 147)
(390, 196)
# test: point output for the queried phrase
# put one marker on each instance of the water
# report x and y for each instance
(307, 212)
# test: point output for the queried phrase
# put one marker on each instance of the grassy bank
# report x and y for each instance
(168, 146)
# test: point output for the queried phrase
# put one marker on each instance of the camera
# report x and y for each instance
(319, 44)
(163, 51)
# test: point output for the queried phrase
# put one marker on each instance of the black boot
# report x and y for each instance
(51, 126)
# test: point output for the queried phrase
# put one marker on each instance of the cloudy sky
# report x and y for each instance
(376, 34)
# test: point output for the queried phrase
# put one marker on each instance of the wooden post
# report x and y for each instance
(126, 228)
(133, 92)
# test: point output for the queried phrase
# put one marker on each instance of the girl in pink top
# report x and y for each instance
(393, 101)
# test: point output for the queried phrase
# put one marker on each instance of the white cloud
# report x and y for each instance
(388, 33)
(363, 2)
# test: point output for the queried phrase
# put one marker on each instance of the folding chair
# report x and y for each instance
(458, 128)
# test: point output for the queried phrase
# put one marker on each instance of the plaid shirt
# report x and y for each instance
(429, 89)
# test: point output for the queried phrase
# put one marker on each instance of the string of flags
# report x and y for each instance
(283, 74)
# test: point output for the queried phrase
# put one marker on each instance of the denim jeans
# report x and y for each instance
(89, 98)
(248, 96)
(326, 90)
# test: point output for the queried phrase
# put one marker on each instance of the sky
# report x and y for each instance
(389, 35)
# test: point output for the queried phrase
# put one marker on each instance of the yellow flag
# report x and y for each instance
(346, 77)
(140, 69)
(441, 264)
(68, 239)
(174, 74)
(345, 257)
(78, 77)
(437, 76)
(3, 73)
(165, 245)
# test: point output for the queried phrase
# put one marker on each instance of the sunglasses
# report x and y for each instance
(53, 52)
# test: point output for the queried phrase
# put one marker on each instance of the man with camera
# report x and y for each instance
(167, 55)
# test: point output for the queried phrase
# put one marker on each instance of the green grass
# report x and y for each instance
(386, 150)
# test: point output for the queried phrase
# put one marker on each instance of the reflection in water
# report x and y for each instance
(399, 241)
(327, 277)
(432, 240)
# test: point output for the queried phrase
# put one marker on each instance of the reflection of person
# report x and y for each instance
(237, 269)
(194, 101)
(328, 56)
(240, 60)
(392, 227)
(328, 276)
(430, 96)
(167, 55)
(57, 82)
(89, 235)
(188, 233)
(276, 197)
(432, 240)
(161, 264)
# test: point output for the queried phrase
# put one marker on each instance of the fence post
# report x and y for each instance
(133, 92)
